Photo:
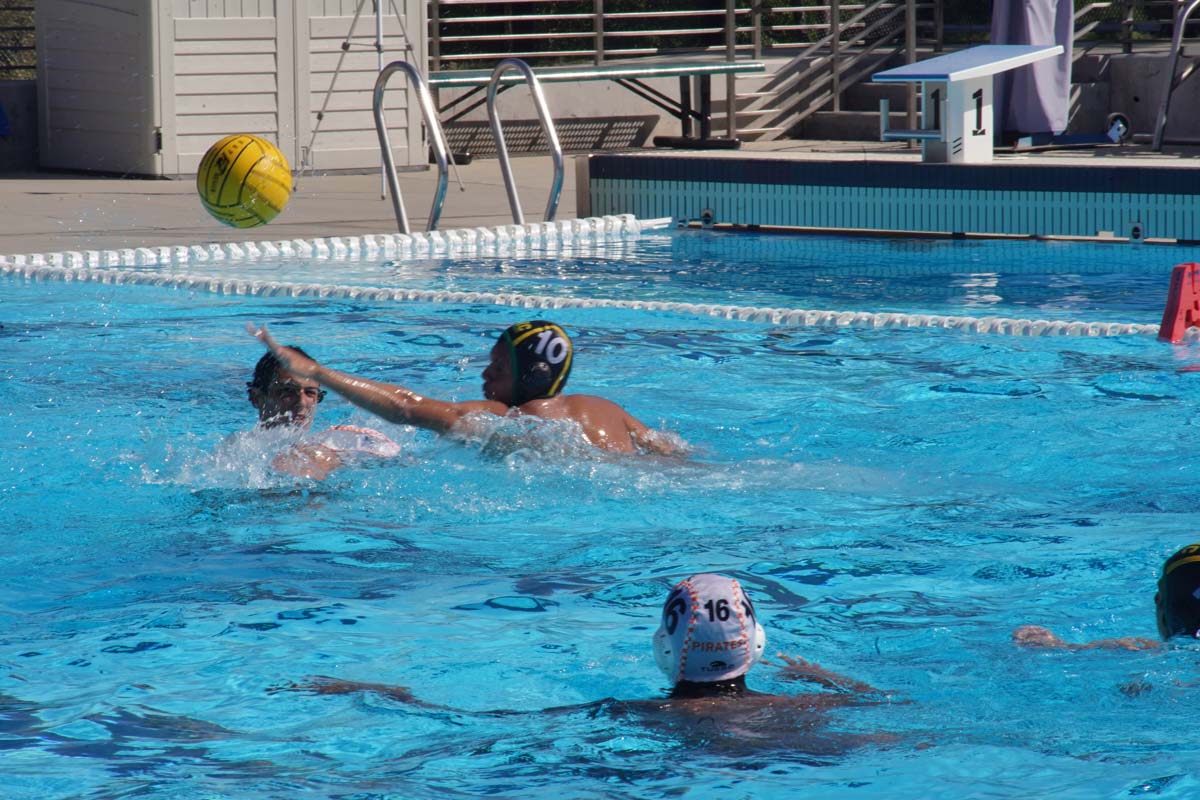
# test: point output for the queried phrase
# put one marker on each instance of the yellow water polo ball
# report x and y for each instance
(244, 181)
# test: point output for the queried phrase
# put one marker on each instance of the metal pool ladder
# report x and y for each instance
(436, 137)
(1182, 13)
(539, 102)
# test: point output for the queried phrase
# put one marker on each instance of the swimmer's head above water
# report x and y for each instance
(1177, 602)
(709, 636)
(281, 397)
(530, 361)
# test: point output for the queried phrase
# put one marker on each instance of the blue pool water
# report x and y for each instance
(896, 501)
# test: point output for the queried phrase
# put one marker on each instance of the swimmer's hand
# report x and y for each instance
(661, 443)
(289, 359)
(1037, 636)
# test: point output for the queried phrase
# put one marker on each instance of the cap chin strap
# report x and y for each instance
(671, 662)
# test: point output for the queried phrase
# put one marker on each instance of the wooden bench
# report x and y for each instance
(630, 74)
(957, 123)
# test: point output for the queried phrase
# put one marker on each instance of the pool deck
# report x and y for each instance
(56, 212)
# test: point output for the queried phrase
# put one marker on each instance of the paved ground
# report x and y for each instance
(50, 212)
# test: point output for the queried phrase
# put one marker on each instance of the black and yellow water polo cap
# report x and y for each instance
(541, 355)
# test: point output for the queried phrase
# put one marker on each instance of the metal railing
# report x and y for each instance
(543, 112)
(542, 32)
(829, 45)
(477, 32)
(436, 139)
(859, 39)
(1171, 79)
(1129, 24)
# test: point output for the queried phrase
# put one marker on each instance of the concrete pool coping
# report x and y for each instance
(55, 212)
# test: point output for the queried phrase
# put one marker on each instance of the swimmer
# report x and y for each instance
(708, 640)
(1176, 605)
(527, 371)
(286, 400)
(709, 637)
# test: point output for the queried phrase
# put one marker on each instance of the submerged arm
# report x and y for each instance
(323, 684)
(307, 460)
(1037, 636)
(386, 400)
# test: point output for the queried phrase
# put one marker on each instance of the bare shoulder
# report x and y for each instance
(625, 431)
(574, 406)
(482, 407)
(470, 416)
(599, 412)
(605, 424)
(592, 404)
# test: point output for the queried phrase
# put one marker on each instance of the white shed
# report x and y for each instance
(144, 87)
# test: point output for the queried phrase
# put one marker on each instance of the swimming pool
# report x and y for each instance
(897, 501)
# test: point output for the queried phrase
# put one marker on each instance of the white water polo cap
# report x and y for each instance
(709, 631)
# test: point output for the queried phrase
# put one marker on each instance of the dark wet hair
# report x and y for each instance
(541, 356)
(727, 688)
(267, 366)
(1176, 603)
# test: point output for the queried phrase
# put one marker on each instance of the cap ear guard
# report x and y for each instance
(535, 380)
(665, 655)
(758, 644)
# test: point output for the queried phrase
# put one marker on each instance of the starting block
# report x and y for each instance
(956, 99)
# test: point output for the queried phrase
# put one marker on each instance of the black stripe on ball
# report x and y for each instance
(233, 163)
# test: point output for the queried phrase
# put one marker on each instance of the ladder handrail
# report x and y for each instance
(539, 102)
(436, 137)
(1182, 13)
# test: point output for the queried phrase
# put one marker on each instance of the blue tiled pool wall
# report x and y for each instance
(1127, 202)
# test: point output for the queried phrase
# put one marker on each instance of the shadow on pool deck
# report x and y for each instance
(55, 212)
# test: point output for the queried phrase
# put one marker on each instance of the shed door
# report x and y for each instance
(338, 70)
(95, 88)
(232, 70)
(269, 68)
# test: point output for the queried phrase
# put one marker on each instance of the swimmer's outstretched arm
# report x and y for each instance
(324, 684)
(797, 669)
(1037, 636)
(386, 400)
